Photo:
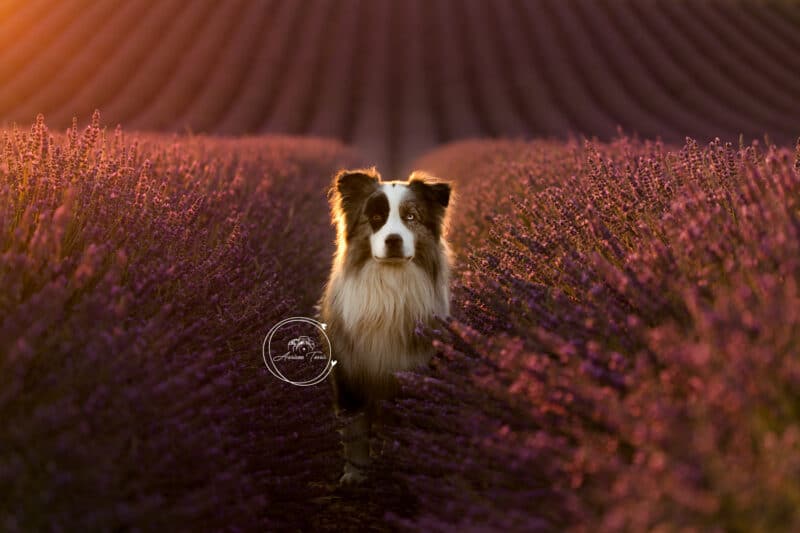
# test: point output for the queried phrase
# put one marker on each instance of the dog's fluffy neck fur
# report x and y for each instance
(383, 302)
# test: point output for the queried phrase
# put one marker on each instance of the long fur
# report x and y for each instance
(371, 308)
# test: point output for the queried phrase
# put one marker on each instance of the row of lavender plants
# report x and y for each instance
(624, 352)
(139, 276)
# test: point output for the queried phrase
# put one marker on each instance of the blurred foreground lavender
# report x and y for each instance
(138, 280)
(626, 351)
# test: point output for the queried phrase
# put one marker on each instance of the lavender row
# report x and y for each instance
(624, 351)
(139, 276)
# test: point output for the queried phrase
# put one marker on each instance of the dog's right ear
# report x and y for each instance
(353, 184)
(351, 187)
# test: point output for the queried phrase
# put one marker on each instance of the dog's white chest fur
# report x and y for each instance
(379, 306)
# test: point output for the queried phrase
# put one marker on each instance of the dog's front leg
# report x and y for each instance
(355, 437)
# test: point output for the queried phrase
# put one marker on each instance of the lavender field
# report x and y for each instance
(622, 355)
(399, 77)
(138, 276)
(624, 347)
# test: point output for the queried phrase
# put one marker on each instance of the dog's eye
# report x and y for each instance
(376, 218)
(409, 216)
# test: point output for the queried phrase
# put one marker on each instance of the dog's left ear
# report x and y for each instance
(431, 187)
(441, 191)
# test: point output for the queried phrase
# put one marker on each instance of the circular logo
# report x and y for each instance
(297, 350)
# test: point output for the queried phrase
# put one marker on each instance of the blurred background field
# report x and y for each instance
(397, 78)
(622, 354)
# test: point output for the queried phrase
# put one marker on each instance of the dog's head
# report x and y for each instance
(389, 220)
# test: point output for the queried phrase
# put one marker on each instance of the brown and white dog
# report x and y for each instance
(390, 271)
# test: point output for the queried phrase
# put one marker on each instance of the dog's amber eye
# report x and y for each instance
(409, 216)
(376, 218)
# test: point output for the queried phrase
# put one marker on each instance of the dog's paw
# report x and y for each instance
(352, 477)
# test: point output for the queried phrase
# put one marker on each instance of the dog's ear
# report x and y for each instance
(355, 184)
(350, 188)
(441, 192)
(431, 188)
(436, 194)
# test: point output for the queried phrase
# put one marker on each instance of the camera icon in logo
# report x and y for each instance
(304, 347)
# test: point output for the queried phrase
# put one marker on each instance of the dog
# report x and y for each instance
(390, 272)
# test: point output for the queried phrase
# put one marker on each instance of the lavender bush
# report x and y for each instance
(624, 354)
(139, 277)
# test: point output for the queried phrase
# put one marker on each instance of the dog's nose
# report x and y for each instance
(394, 241)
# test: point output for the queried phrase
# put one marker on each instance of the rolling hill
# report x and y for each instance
(396, 78)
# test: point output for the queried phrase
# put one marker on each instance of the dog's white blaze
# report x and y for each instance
(395, 193)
